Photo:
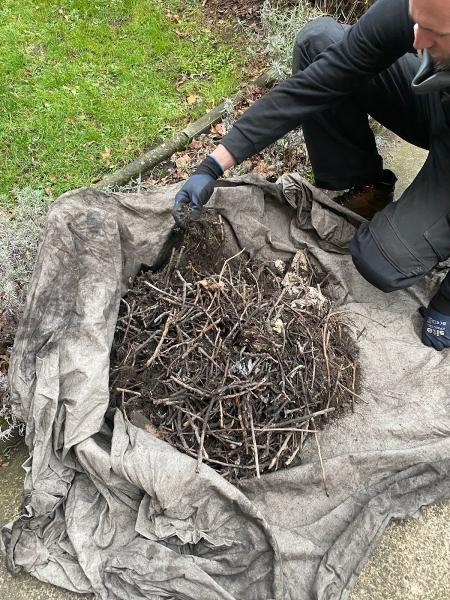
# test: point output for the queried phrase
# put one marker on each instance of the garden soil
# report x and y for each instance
(108, 508)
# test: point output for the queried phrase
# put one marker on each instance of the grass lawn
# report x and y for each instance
(85, 85)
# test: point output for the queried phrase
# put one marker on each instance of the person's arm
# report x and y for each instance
(223, 157)
(379, 38)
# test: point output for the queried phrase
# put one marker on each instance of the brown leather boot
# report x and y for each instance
(366, 200)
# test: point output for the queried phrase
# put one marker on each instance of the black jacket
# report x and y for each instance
(381, 36)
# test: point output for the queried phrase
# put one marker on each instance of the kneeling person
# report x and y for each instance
(342, 74)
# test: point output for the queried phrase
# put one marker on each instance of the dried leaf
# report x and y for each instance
(279, 266)
(196, 144)
(192, 99)
(210, 284)
(182, 161)
(106, 155)
(278, 326)
(173, 17)
(263, 168)
(181, 81)
(218, 129)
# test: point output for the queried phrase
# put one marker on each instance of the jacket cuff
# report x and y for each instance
(238, 145)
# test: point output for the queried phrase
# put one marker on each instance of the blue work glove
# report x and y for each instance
(435, 328)
(197, 190)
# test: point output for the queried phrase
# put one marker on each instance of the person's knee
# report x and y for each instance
(313, 39)
(374, 266)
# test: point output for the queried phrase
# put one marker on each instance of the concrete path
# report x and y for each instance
(22, 587)
(412, 560)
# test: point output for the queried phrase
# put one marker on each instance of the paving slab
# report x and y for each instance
(411, 561)
(22, 586)
(403, 159)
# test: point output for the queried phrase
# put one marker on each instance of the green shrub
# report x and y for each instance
(279, 30)
(20, 231)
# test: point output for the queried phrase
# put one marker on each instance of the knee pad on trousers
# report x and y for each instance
(373, 265)
(313, 39)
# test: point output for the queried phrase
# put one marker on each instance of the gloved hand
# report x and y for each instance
(197, 190)
(435, 328)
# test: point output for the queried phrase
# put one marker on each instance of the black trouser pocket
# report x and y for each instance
(385, 272)
(408, 260)
(438, 236)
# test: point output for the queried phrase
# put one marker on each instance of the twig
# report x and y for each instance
(227, 261)
(128, 391)
(344, 387)
(202, 437)
(325, 353)
(255, 447)
(324, 481)
(160, 343)
(280, 451)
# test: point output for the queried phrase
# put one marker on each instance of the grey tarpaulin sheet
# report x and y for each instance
(112, 510)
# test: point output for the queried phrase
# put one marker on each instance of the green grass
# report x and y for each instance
(85, 85)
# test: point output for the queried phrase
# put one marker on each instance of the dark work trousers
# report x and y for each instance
(411, 236)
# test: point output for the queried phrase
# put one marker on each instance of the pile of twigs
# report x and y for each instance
(235, 368)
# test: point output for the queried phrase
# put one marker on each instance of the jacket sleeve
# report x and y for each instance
(381, 36)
